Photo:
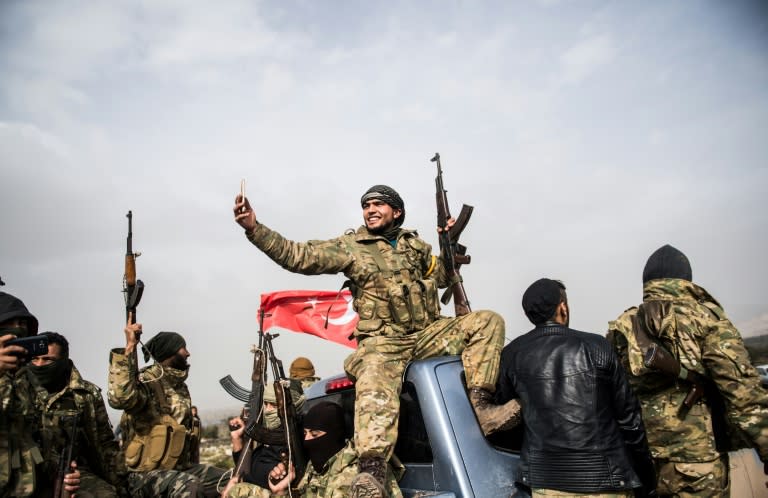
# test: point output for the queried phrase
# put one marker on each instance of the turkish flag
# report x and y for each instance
(325, 314)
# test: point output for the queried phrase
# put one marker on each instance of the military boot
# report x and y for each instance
(492, 417)
(371, 478)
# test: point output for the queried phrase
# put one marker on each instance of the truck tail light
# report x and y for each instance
(338, 385)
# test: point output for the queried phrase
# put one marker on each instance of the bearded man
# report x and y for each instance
(394, 278)
(157, 418)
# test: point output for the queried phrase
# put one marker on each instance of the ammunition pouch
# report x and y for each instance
(159, 449)
(413, 305)
(20, 463)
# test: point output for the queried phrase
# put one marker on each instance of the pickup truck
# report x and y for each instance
(439, 440)
(444, 451)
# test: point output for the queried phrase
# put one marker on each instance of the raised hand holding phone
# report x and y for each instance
(244, 215)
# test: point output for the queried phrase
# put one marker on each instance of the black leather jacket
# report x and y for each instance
(583, 425)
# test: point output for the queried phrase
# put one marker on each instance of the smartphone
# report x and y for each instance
(35, 345)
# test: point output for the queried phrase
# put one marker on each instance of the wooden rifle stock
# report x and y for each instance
(132, 288)
(453, 254)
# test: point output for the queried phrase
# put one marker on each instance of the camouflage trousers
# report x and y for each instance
(379, 362)
(92, 486)
(197, 481)
(693, 480)
(539, 493)
(245, 490)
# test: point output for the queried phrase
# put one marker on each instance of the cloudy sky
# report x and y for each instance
(585, 133)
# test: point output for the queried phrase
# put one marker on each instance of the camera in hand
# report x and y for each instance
(35, 345)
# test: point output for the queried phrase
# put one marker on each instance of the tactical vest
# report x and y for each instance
(161, 446)
(394, 290)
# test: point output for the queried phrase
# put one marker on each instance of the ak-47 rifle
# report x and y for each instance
(132, 288)
(254, 398)
(657, 358)
(454, 254)
(65, 459)
(290, 434)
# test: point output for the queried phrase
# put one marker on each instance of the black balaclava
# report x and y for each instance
(541, 299)
(163, 345)
(667, 262)
(391, 197)
(11, 307)
(54, 376)
(329, 417)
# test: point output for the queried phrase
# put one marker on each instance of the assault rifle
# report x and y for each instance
(454, 254)
(132, 288)
(65, 458)
(658, 359)
(254, 397)
(290, 433)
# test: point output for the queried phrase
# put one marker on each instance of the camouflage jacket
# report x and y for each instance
(137, 394)
(96, 448)
(691, 325)
(394, 288)
(19, 435)
(338, 473)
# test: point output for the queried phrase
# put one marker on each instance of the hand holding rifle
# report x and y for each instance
(452, 253)
(67, 479)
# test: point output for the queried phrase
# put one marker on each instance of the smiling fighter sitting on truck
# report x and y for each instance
(394, 279)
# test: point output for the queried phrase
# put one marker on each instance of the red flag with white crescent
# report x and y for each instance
(325, 314)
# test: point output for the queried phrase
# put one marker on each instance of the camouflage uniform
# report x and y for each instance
(20, 455)
(395, 293)
(139, 395)
(334, 482)
(95, 449)
(694, 328)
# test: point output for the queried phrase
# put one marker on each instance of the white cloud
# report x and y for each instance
(587, 56)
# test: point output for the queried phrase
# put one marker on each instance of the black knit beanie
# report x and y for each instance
(163, 345)
(667, 262)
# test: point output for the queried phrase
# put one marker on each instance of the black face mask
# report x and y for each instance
(179, 362)
(17, 331)
(321, 449)
(53, 376)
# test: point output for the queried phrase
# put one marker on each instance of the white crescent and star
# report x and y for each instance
(344, 319)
